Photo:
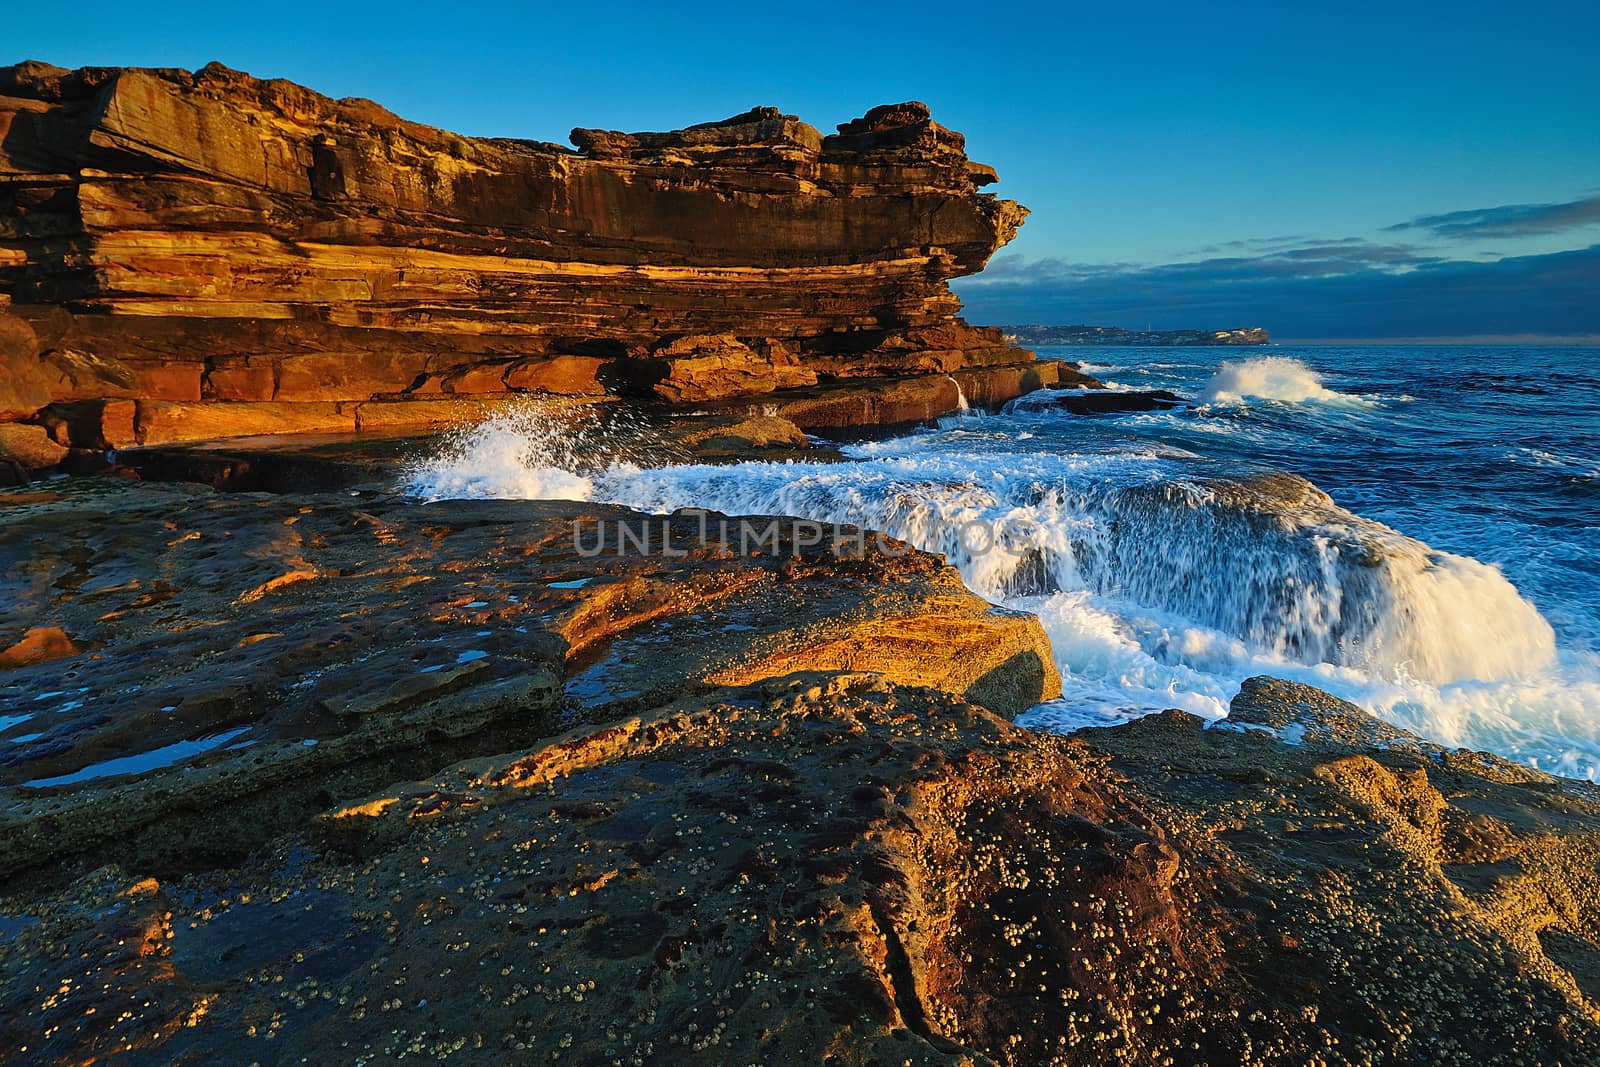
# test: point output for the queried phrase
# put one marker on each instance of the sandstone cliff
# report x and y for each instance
(174, 241)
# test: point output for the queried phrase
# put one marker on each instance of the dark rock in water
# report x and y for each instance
(843, 408)
(1109, 401)
(195, 255)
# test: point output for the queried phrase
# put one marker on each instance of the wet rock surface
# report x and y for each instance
(307, 462)
(345, 778)
(175, 652)
(832, 867)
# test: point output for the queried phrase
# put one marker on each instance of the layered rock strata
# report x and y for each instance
(167, 653)
(206, 254)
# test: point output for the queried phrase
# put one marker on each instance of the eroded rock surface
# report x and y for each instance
(175, 652)
(345, 778)
(190, 255)
(836, 868)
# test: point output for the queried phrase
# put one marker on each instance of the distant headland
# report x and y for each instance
(1114, 335)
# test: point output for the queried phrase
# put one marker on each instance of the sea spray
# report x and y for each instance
(537, 449)
(1272, 378)
(1162, 579)
(1272, 563)
(1303, 580)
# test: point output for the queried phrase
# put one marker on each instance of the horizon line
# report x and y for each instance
(1564, 340)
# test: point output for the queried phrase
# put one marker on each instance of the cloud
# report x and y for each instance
(1328, 289)
(1509, 220)
(1321, 259)
(1012, 267)
(1262, 245)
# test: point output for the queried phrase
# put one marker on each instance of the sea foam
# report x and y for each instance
(1157, 588)
(1272, 378)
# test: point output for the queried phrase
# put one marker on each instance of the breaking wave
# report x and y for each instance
(536, 450)
(1160, 582)
(1272, 378)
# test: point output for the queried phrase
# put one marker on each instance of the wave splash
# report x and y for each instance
(535, 450)
(1274, 565)
(1277, 378)
(1158, 585)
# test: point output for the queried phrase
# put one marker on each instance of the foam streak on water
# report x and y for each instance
(1163, 577)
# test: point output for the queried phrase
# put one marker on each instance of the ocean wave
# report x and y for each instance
(535, 450)
(1272, 378)
(1577, 467)
(1119, 662)
(1269, 561)
(1160, 581)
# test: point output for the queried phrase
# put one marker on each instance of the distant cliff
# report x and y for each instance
(173, 240)
(1112, 335)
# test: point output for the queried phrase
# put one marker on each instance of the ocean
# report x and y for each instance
(1443, 573)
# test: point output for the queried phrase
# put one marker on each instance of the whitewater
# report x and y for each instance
(1364, 535)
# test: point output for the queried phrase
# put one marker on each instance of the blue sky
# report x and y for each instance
(1258, 151)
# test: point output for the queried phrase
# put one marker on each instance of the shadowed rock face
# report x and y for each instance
(172, 239)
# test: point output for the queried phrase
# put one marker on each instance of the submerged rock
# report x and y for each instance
(1108, 401)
